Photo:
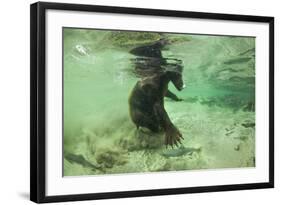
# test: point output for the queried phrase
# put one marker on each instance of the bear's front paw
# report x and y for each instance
(179, 99)
(173, 137)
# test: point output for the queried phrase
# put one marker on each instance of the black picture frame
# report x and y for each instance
(38, 101)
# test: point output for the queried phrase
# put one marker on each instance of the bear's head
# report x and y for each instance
(174, 74)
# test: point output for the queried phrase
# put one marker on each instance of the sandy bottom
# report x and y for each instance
(214, 137)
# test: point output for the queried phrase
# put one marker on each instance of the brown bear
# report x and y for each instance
(149, 60)
(146, 103)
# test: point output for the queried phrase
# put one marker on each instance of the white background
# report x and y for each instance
(14, 108)
(56, 185)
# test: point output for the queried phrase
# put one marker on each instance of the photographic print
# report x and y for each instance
(138, 102)
(131, 102)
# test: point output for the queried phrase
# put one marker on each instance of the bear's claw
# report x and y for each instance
(173, 137)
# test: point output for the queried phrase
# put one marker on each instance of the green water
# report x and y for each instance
(216, 116)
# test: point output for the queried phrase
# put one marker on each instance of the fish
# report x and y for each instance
(180, 151)
(248, 124)
(229, 133)
(80, 159)
(191, 99)
(251, 50)
(237, 60)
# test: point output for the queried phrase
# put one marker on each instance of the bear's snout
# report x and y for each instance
(183, 86)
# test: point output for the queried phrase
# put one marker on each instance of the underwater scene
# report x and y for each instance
(137, 101)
